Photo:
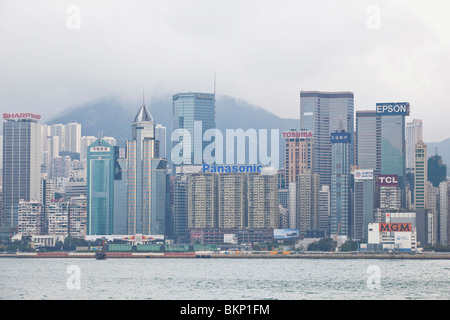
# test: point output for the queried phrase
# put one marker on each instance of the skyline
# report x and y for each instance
(262, 52)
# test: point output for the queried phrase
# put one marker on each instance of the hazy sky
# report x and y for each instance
(57, 54)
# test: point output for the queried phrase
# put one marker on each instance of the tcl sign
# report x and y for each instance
(388, 180)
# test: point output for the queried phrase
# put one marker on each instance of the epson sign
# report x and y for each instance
(393, 109)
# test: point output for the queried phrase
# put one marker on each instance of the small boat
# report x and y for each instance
(101, 255)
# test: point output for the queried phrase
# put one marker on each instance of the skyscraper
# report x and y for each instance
(189, 108)
(364, 203)
(340, 183)
(368, 141)
(21, 163)
(393, 155)
(444, 213)
(322, 113)
(437, 170)
(414, 134)
(308, 189)
(298, 154)
(420, 175)
(102, 170)
(146, 178)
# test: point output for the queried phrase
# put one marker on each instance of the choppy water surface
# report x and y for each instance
(230, 279)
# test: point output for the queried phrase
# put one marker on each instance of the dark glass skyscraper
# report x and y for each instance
(322, 113)
(340, 183)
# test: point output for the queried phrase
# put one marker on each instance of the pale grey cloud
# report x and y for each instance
(263, 51)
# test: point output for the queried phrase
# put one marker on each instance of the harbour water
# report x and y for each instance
(223, 279)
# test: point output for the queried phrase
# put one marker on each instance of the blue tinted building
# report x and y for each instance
(102, 170)
(340, 183)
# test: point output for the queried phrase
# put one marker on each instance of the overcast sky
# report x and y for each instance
(57, 54)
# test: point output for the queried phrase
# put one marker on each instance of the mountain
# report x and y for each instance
(113, 117)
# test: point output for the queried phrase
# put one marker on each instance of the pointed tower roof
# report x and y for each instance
(143, 115)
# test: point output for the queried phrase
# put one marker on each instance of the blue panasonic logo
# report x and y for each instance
(228, 169)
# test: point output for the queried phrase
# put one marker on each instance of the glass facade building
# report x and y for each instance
(340, 183)
(322, 113)
(102, 170)
(189, 108)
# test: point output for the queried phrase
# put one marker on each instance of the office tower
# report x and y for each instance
(432, 207)
(141, 151)
(189, 108)
(368, 141)
(308, 189)
(364, 203)
(322, 113)
(444, 213)
(159, 198)
(393, 156)
(231, 197)
(77, 216)
(86, 141)
(180, 208)
(298, 154)
(161, 136)
(72, 139)
(420, 175)
(262, 201)
(102, 170)
(21, 163)
(414, 134)
(30, 218)
(340, 183)
(202, 203)
(325, 210)
(437, 170)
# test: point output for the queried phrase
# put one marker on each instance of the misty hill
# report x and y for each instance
(113, 117)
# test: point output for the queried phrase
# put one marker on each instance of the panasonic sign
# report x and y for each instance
(393, 109)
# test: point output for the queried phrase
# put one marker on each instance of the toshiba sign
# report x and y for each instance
(21, 116)
(395, 227)
(388, 180)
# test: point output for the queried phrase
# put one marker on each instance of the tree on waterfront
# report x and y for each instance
(349, 245)
(325, 244)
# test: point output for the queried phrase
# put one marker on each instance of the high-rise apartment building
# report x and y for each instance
(323, 113)
(202, 201)
(444, 213)
(414, 134)
(262, 199)
(420, 175)
(308, 189)
(368, 141)
(324, 210)
(232, 202)
(21, 163)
